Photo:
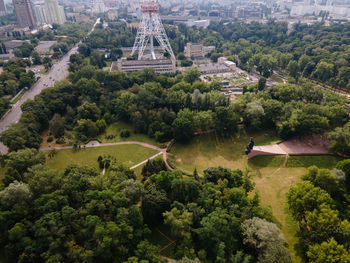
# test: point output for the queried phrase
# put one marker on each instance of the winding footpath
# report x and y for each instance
(93, 144)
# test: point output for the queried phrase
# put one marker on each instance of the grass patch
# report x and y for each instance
(272, 185)
(43, 71)
(18, 97)
(266, 161)
(321, 161)
(276, 78)
(209, 150)
(115, 129)
(127, 155)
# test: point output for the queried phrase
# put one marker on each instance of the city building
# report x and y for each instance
(24, 14)
(45, 47)
(197, 50)
(335, 12)
(161, 66)
(230, 64)
(112, 14)
(249, 12)
(2, 8)
(198, 23)
(193, 50)
(98, 6)
(49, 12)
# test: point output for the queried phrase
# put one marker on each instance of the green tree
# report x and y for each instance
(132, 189)
(15, 193)
(324, 71)
(305, 197)
(262, 83)
(183, 129)
(154, 203)
(191, 75)
(293, 68)
(21, 160)
(345, 167)
(86, 128)
(56, 125)
(226, 121)
(254, 115)
(36, 58)
(179, 221)
(265, 238)
(89, 111)
(328, 252)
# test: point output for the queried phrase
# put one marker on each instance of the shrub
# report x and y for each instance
(61, 140)
(110, 137)
(49, 139)
(125, 134)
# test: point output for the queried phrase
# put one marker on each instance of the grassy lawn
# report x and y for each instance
(208, 150)
(266, 161)
(321, 161)
(116, 128)
(272, 181)
(272, 185)
(127, 155)
(276, 78)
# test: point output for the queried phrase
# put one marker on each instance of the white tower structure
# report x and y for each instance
(151, 27)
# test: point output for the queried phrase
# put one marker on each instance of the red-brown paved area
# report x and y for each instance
(315, 144)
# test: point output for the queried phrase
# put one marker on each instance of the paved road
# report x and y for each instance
(58, 72)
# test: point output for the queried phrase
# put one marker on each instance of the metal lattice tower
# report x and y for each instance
(151, 27)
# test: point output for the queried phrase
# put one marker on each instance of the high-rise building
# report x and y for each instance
(98, 6)
(49, 12)
(2, 8)
(24, 13)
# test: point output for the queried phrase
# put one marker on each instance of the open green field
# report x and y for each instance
(117, 127)
(272, 185)
(273, 175)
(208, 150)
(295, 161)
(127, 155)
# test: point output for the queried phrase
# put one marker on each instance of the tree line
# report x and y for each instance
(320, 205)
(314, 51)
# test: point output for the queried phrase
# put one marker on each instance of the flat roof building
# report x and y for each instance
(45, 47)
(197, 50)
(161, 66)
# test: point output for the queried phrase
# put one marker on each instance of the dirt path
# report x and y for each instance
(93, 144)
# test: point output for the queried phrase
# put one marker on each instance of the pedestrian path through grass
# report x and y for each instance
(127, 155)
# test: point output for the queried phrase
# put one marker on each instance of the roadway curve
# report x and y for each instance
(58, 72)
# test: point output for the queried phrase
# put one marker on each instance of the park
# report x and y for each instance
(273, 175)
